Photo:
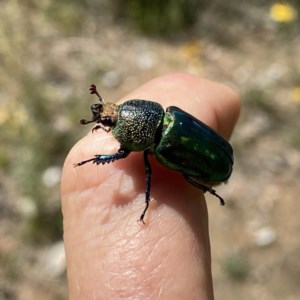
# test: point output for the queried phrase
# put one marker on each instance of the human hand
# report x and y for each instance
(109, 254)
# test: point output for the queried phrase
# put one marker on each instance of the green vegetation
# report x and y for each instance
(236, 267)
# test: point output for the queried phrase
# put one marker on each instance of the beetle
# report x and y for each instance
(177, 140)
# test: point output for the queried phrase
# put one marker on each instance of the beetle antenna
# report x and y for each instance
(93, 90)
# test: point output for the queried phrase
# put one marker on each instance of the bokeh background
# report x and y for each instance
(50, 51)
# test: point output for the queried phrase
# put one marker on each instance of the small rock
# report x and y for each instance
(259, 124)
(275, 163)
(111, 79)
(51, 176)
(54, 260)
(146, 60)
(265, 236)
(27, 207)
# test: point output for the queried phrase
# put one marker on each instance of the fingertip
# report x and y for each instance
(227, 108)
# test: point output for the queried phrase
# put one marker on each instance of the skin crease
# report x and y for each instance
(109, 254)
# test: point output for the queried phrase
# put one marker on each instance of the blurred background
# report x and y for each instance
(50, 51)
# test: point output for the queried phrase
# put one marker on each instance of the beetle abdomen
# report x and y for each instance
(189, 146)
(137, 124)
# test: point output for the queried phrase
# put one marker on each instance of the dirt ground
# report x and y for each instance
(255, 237)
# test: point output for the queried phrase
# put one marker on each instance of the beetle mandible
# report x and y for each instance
(177, 140)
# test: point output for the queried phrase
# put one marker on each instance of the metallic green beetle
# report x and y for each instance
(176, 139)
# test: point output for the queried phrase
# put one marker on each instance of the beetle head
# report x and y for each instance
(105, 114)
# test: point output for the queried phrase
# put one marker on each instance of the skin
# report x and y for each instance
(112, 256)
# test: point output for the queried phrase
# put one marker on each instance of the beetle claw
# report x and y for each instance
(141, 219)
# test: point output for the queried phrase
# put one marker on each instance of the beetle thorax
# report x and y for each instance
(138, 124)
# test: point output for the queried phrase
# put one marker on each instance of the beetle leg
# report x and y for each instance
(148, 184)
(204, 188)
(106, 129)
(105, 158)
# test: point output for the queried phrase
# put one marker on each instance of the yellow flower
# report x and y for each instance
(191, 53)
(191, 50)
(283, 12)
(296, 94)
